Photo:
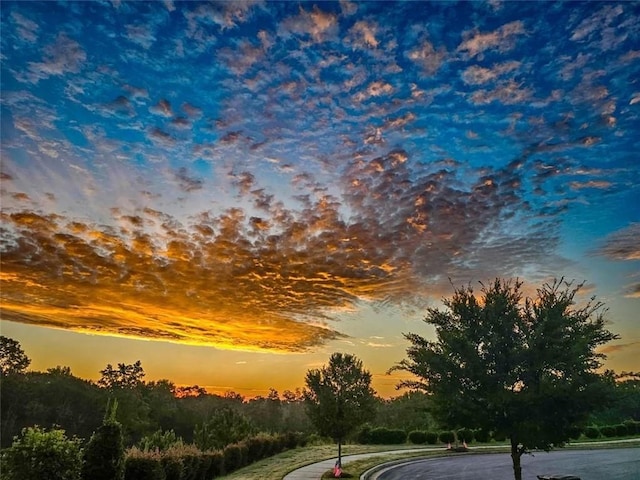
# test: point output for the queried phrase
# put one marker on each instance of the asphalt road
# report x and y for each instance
(608, 464)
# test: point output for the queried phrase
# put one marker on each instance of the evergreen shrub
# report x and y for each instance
(608, 431)
(43, 455)
(465, 435)
(446, 437)
(388, 436)
(592, 432)
(432, 438)
(104, 454)
(418, 437)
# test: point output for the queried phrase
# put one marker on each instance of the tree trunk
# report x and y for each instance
(516, 453)
(340, 453)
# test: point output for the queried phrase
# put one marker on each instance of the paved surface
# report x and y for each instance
(315, 470)
(618, 464)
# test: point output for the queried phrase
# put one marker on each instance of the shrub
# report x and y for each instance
(234, 457)
(172, 467)
(141, 465)
(418, 437)
(446, 437)
(216, 464)
(42, 455)
(498, 436)
(633, 427)
(465, 435)
(388, 436)
(621, 430)
(364, 435)
(608, 431)
(104, 454)
(481, 435)
(592, 432)
(432, 438)
(574, 432)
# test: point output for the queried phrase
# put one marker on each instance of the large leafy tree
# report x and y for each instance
(526, 369)
(339, 397)
(12, 357)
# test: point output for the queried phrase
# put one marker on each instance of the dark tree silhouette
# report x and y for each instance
(12, 357)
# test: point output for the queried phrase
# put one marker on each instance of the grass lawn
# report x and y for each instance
(274, 468)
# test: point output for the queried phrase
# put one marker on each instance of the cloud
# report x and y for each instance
(622, 245)
(503, 39)
(64, 56)
(428, 57)
(317, 24)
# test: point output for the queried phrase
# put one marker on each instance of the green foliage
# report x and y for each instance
(608, 431)
(13, 360)
(159, 440)
(525, 369)
(339, 396)
(235, 457)
(446, 436)
(144, 466)
(409, 411)
(224, 427)
(633, 427)
(482, 435)
(387, 436)
(592, 432)
(417, 437)
(432, 438)
(465, 435)
(43, 455)
(621, 430)
(104, 454)
(575, 432)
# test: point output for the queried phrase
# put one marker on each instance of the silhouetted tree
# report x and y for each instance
(339, 397)
(125, 376)
(526, 370)
(12, 357)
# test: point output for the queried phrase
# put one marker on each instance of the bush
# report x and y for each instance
(498, 436)
(364, 435)
(216, 465)
(481, 435)
(432, 438)
(418, 437)
(104, 454)
(172, 467)
(465, 435)
(42, 455)
(608, 431)
(633, 427)
(574, 432)
(234, 457)
(621, 430)
(143, 466)
(592, 432)
(446, 437)
(388, 436)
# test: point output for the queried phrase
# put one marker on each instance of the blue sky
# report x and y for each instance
(272, 181)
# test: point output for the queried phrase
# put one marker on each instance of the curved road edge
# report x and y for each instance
(374, 472)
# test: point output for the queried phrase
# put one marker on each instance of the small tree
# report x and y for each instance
(42, 455)
(12, 357)
(527, 370)
(339, 397)
(224, 427)
(104, 454)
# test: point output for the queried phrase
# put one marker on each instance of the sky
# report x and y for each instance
(231, 191)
